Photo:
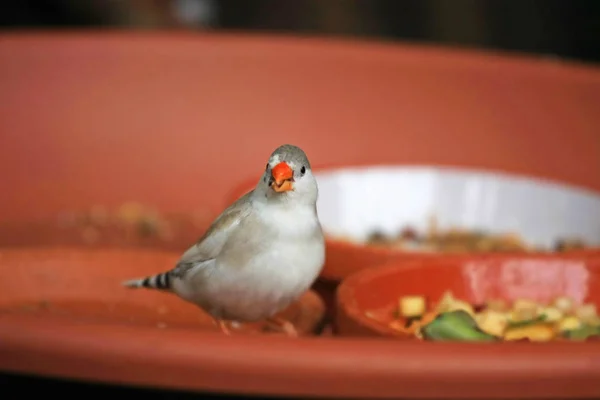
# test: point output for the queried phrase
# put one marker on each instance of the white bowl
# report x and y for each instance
(354, 202)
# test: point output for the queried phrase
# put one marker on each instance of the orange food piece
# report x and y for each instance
(427, 318)
(400, 326)
(415, 326)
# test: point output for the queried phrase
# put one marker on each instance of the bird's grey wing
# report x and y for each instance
(213, 240)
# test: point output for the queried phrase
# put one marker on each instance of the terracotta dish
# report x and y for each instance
(357, 202)
(367, 299)
(63, 314)
(85, 286)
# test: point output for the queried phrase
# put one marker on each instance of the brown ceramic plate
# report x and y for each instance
(368, 298)
(63, 314)
(174, 120)
(85, 286)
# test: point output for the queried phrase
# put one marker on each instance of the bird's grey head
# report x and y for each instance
(288, 177)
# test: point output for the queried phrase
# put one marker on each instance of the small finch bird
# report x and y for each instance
(260, 255)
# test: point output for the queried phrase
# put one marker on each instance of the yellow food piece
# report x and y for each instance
(569, 323)
(497, 305)
(130, 212)
(594, 321)
(462, 305)
(586, 312)
(536, 333)
(524, 310)
(525, 304)
(492, 322)
(446, 300)
(450, 303)
(565, 304)
(552, 314)
(412, 306)
(511, 241)
(522, 315)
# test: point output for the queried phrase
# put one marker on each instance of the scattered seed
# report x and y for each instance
(99, 215)
(162, 310)
(90, 235)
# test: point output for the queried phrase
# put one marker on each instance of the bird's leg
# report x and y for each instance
(286, 326)
(222, 326)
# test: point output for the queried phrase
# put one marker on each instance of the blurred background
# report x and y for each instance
(548, 28)
(555, 28)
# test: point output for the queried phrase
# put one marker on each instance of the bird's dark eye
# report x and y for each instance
(303, 170)
(267, 167)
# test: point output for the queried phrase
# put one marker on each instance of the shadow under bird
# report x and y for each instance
(260, 255)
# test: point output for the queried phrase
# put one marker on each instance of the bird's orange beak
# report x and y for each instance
(282, 177)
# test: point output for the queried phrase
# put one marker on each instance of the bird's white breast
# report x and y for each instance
(288, 259)
(298, 222)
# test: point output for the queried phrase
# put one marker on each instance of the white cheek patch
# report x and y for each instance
(274, 160)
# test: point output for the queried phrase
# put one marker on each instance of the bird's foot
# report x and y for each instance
(285, 326)
(222, 325)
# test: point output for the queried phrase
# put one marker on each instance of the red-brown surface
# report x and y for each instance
(85, 286)
(52, 233)
(100, 331)
(346, 258)
(176, 121)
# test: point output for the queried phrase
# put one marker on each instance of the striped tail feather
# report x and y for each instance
(160, 281)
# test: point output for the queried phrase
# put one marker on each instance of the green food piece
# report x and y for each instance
(518, 324)
(455, 326)
(582, 333)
